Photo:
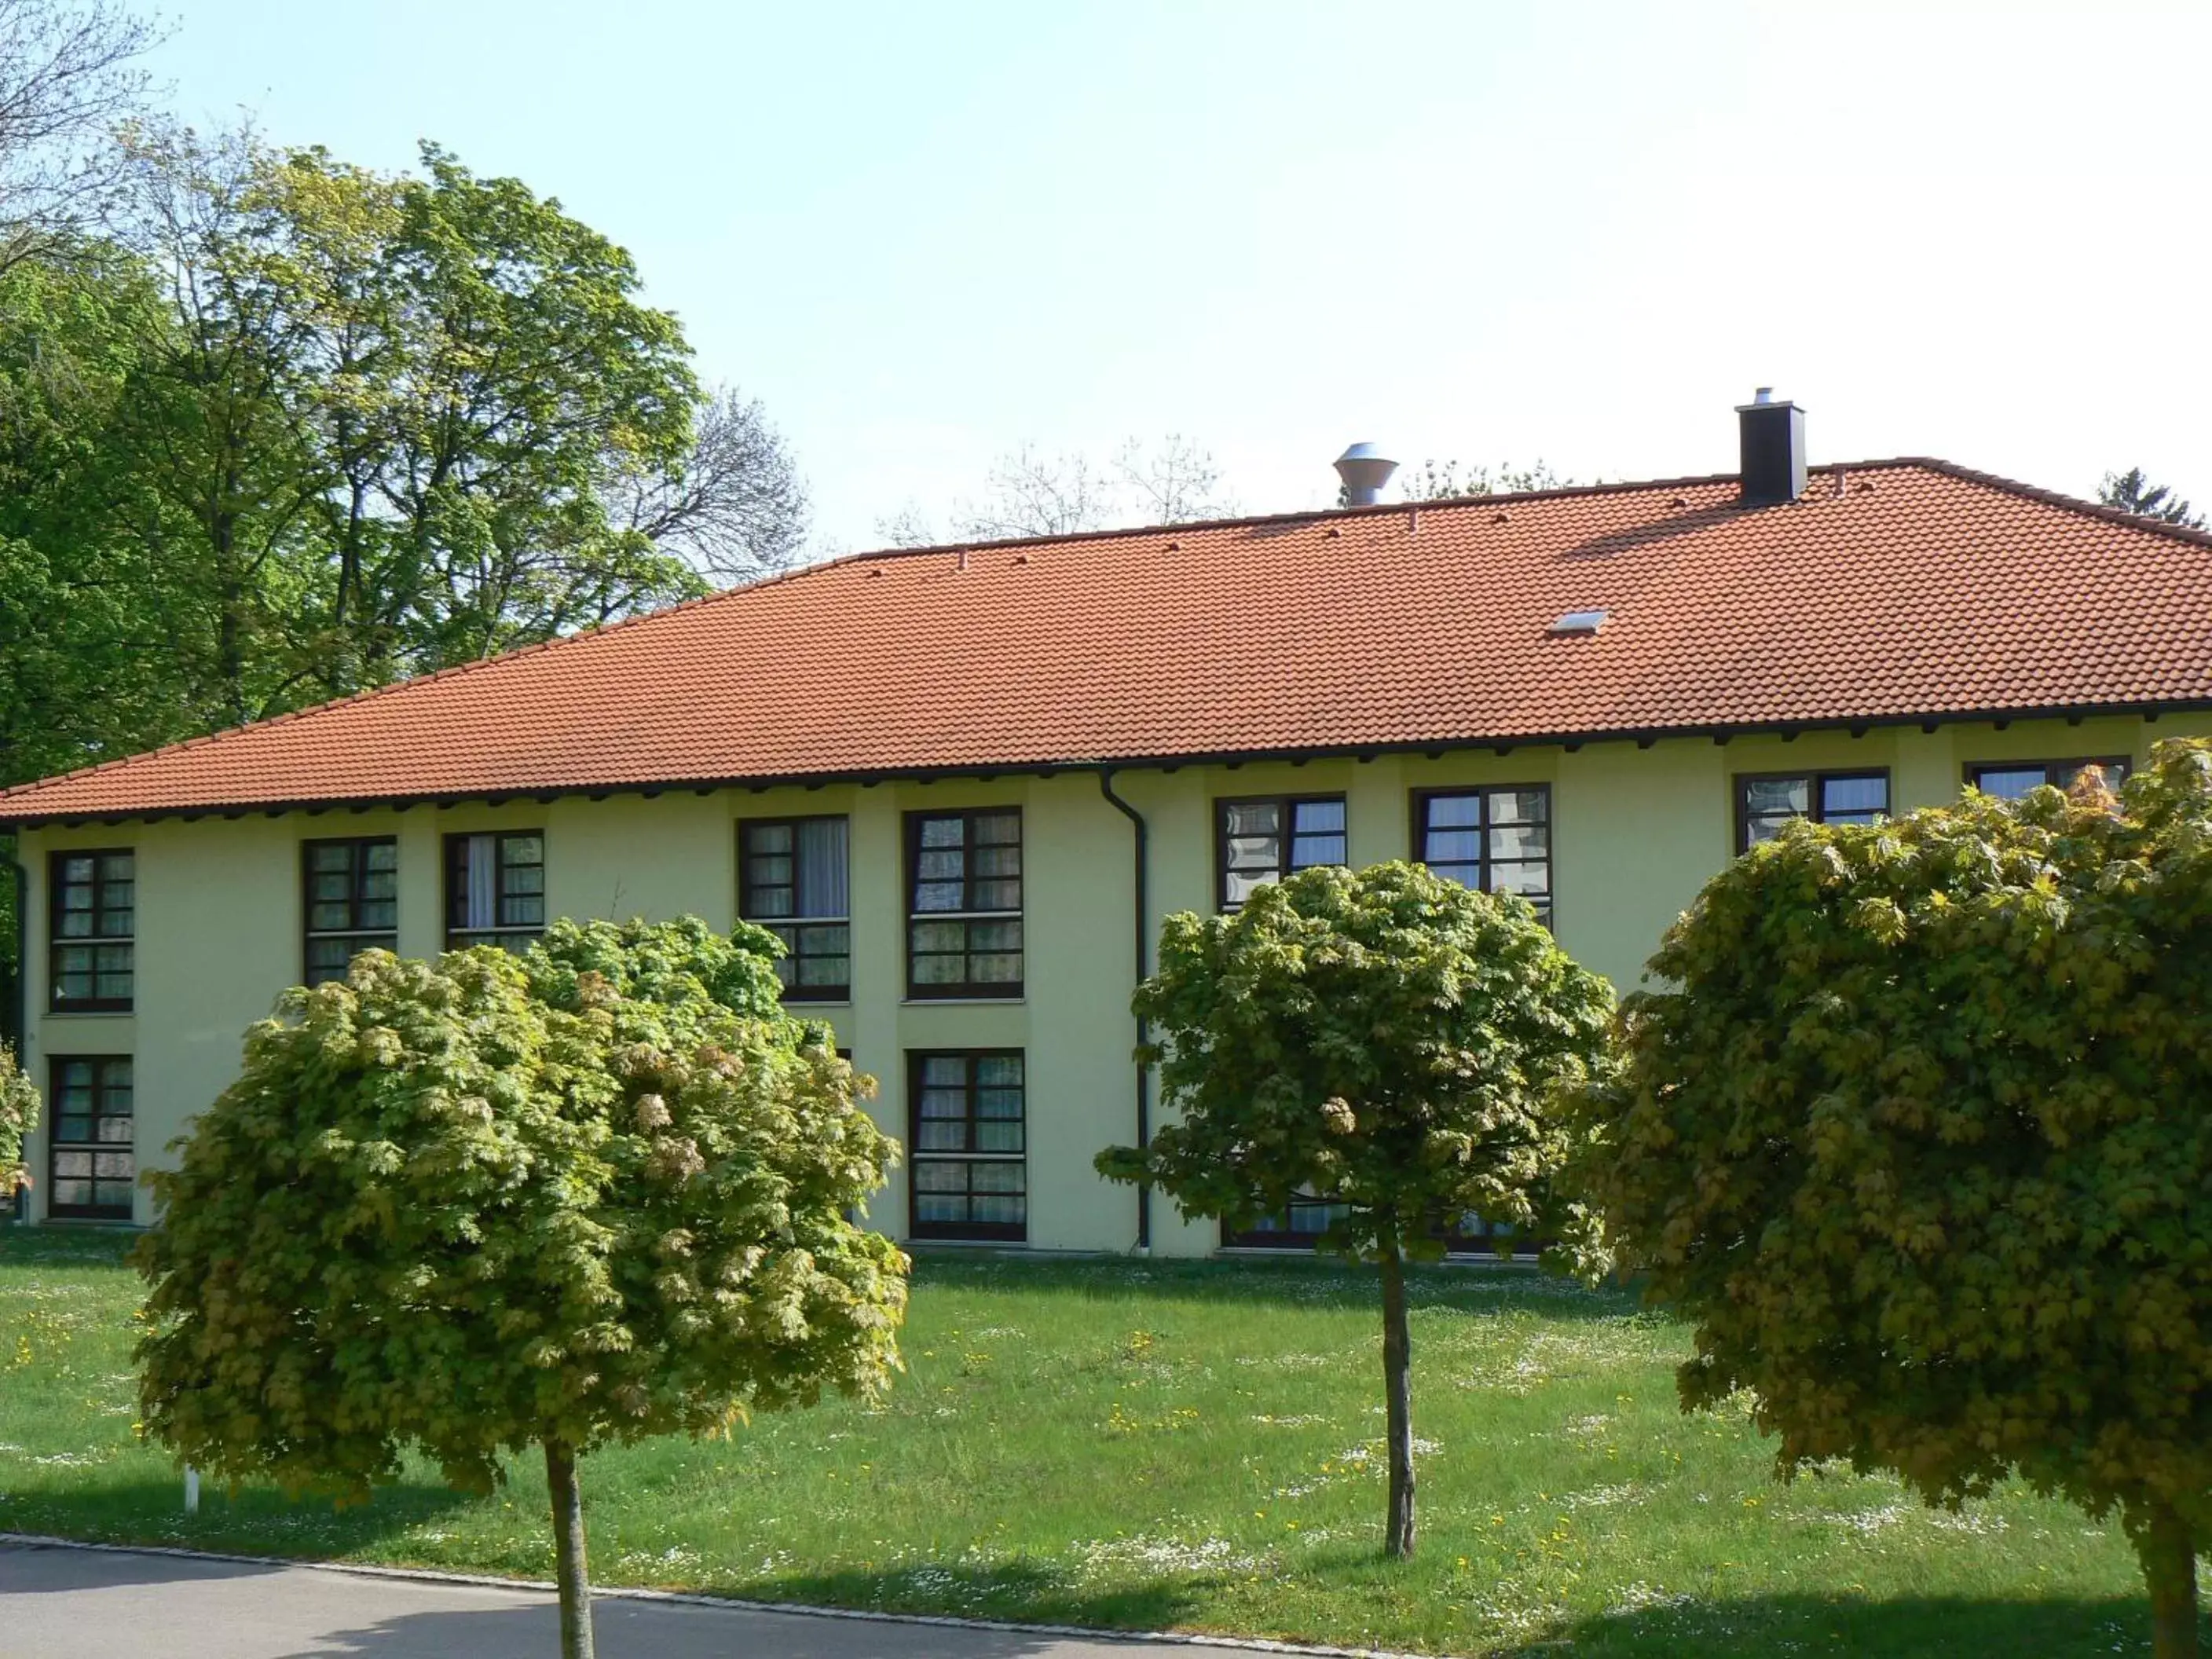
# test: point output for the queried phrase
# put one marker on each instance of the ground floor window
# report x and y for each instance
(969, 1144)
(1301, 1224)
(92, 1161)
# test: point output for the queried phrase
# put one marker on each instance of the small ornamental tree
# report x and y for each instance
(1917, 1134)
(19, 1115)
(482, 1205)
(1383, 1040)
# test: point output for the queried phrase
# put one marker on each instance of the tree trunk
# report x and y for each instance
(1398, 1402)
(569, 1569)
(2168, 1554)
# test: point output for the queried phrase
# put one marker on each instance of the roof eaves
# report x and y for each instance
(1569, 739)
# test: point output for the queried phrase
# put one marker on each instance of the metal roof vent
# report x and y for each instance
(1578, 622)
(1364, 470)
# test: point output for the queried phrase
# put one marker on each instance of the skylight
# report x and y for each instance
(1579, 622)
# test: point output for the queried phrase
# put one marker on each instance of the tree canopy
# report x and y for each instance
(2132, 491)
(1915, 1132)
(480, 1204)
(1383, 1040)
(19, 1115)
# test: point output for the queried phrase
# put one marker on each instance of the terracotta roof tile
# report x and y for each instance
(1892, 590)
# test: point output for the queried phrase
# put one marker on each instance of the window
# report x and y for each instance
(1495, 840)
(1300, 1225)
(1764, 804)
(970, 1171)
(791, 880)
(350, 900)
(93, 1153)
(495, 890)
(93, 909)
(1263, 840)
(2010, 780)
(964, 903)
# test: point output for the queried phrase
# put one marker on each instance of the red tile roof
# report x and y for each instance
(1892, 591)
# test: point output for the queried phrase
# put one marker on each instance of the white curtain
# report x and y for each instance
(820, 884)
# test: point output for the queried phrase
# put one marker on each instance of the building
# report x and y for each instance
(967, 783)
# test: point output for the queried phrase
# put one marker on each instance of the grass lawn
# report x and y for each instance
(1192, 1445)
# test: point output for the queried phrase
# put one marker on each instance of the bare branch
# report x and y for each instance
(737, 510)
(67, 77)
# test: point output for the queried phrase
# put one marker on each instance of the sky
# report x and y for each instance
(926, 235)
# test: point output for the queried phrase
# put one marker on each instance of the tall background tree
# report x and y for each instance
(1916, 1136)
(2132, 492)
(1384, 1041)
(276, 428)
(68, 72)
(1030, 492)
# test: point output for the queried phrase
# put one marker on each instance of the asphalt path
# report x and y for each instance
(57, 1602)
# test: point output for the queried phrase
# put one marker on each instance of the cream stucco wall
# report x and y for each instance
(1637, 831)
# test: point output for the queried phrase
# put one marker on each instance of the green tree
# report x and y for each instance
(1386, 1041)
(480, 1205)
(1915, 1132)
(19, 1115)
(2132, 492)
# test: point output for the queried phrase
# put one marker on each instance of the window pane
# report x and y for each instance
(1453, 812)
(1252, 819)
(2011, 782)
(1866, 796)
(1520, 840)
(1241, 885)
(1523, 805)
(944, 832)
(940, 895)
(940, 970)
(1308, 851)
(1526, 879)
(767, 837)
(1254, 853)
(1764, 797)
(998, 1071)
(1311, 816)
(1002, 828)
(822, 878)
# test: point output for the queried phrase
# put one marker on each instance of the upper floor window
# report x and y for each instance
(351, 902)
(91, 1152)
(969, 1162)
(792, 881)
(964, 903)
(1263, 840)
(495, 889)
(1495, 840)
(92, 906)
(1764, 804)
(2010, 780)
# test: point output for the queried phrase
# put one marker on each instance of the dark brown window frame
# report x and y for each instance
(56, 1147)
(372, 938)
(56, 942)
(1971, 772)
(1287, 835)
(525, 934)
(1815, 813)
(787, 928)
(1417, 810)
(968, 989)
(1001, 1232)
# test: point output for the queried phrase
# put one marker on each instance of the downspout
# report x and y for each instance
(18, 1013)
(1144, 1031)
